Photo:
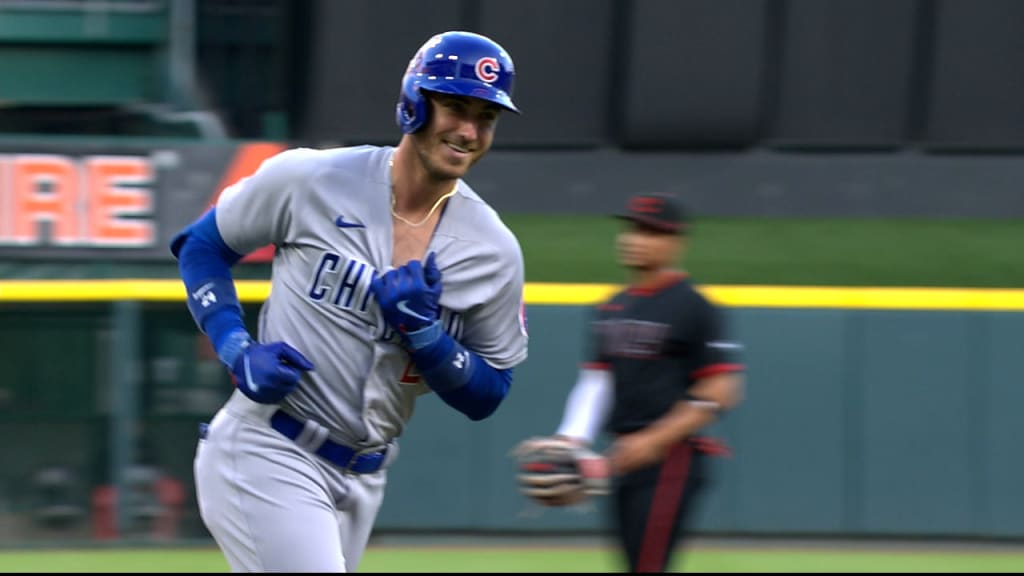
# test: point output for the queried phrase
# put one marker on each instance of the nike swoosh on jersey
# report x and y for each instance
(403, 307)
(341, 223)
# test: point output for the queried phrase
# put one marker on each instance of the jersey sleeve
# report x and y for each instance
(256, 210)
(715, 352)
(497, 329)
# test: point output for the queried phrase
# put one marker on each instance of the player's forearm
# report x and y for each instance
(587, 406)
(204, 262)
(684, 420)
(709, 397)
(459, 376)
(482, 394)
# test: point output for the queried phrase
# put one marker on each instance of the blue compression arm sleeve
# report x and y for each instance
(459, 376)
(205, 261)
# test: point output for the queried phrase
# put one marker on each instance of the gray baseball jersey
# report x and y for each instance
(328, 214)
(268, 501)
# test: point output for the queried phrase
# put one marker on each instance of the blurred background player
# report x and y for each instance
(660, 368)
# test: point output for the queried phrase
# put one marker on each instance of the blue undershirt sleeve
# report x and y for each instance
(205, 261)
(459, 376)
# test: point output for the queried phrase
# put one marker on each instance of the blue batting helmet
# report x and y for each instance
(459, 63)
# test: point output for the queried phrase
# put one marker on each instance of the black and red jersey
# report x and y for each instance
(657, 341)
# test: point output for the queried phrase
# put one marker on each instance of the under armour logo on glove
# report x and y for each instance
(409, 296)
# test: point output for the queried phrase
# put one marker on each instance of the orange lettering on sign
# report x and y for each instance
(111, 196)
(5, 212)
(44, 188)
(98, 201)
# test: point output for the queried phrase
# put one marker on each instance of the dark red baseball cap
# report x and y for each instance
(661, 212)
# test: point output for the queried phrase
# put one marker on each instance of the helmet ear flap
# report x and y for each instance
(413, 107)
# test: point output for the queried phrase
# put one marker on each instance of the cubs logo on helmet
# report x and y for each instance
(487, 69)
(457, 63)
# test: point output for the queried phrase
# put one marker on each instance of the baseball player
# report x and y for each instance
(391, 279)
(660, 369)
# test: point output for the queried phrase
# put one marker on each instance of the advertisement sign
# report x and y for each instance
(114, 202)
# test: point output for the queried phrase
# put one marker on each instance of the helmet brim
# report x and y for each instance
(471, 89)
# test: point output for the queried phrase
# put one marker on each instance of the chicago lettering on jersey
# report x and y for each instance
(344, 282)
(89, 201)
(631, 338)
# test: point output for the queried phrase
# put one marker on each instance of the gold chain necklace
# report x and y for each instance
(429, 214)
(432, 209)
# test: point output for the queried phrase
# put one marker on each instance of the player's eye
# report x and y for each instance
(455, 106)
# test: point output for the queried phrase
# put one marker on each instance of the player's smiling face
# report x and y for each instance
(460, 132)
(644, 248)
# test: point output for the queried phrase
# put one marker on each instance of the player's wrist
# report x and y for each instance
(424, 337)
(233, 346)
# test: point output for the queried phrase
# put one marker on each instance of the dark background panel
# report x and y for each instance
(844, 73)
(976, 85)
(562, 52)
(245, 52)
(693, 73)
(794, 75)
(360, 51)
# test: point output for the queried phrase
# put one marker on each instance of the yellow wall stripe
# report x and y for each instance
(110, 290)
(868, 297)
(165, 290)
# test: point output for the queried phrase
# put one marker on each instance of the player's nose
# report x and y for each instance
(467, 131)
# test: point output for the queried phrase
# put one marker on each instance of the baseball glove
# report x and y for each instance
(556, 472)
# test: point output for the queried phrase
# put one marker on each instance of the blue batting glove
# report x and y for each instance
(265, 373)
(409, 296)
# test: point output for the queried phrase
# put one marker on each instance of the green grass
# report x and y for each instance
(447, 559)
(839, 252)
(836, 252)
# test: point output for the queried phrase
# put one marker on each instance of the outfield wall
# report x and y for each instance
(856, 422)
(862, 416)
